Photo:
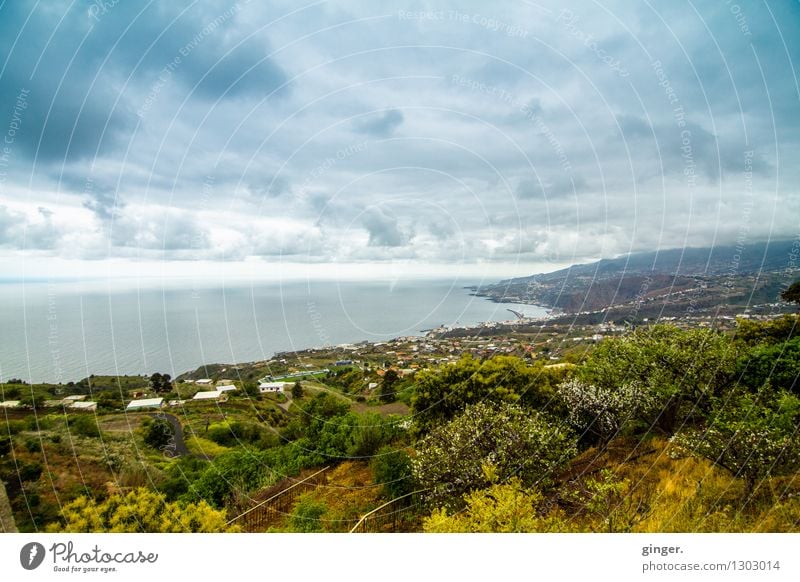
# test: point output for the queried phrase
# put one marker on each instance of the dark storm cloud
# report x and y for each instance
(583, 136)
(65, 116)
(85, 67)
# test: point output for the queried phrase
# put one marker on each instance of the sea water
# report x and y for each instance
(57, 332)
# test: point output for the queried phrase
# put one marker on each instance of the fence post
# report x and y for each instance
(258, 515)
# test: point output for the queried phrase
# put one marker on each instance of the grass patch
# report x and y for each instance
(200, 446)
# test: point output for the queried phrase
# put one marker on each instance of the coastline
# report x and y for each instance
(78, 338)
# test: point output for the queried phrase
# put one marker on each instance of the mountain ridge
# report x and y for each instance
(688, 261)
(665, 281)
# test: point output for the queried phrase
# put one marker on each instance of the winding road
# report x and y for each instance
(176, 448)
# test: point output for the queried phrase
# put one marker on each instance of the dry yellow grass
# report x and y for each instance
(687, 494)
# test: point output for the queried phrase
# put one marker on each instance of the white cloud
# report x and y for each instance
(400, 140)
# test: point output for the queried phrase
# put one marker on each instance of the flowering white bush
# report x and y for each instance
(603, 411)
(752, 436)
(683, 369)
(510, 440)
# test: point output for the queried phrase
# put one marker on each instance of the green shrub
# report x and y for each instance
(180, 475)
(236, 472)
(444, 392)
(29, 471)
(13, 427)
(391, 468)
(11, 392)
(777, 363)
(32, 445)
(158, 433)
(307, 515)
(84, 425)
(232, 434)
(38, 422)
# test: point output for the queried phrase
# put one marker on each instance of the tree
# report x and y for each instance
(502, 508)
(343, 436)
(158, 433)
(233, 475)
(681, 370)
(314, 414)
(371, 431)
(792, 293)
(109, 400)
(251, 389)
(452, 459)
(391, 469)
(443, 393)
(774, 331)
(753, 436)
(161, 382)
(600, 413)
(778, 364)
(390, 380)
(140, 511)
(10, 393)
(297, 390)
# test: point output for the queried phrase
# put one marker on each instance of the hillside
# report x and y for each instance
(661, 282)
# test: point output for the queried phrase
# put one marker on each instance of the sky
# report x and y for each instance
(353, 139)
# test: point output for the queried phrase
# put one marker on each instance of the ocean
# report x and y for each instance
(57, 332)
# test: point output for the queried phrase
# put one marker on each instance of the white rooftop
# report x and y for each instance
(145, 403)
(9, 404)
(226, 388)
(85, 405)
(208, 395)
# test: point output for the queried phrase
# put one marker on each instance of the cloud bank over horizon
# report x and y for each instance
(503, 139)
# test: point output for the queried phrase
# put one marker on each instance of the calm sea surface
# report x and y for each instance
(66, 331)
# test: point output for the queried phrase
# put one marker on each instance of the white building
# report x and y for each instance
(265, 387)
(207, 395)
(85, 405)
(226, 388)
(10, 404)
(204, 382)
(145, 404)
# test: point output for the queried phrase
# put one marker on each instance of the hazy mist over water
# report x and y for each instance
(67, 331)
